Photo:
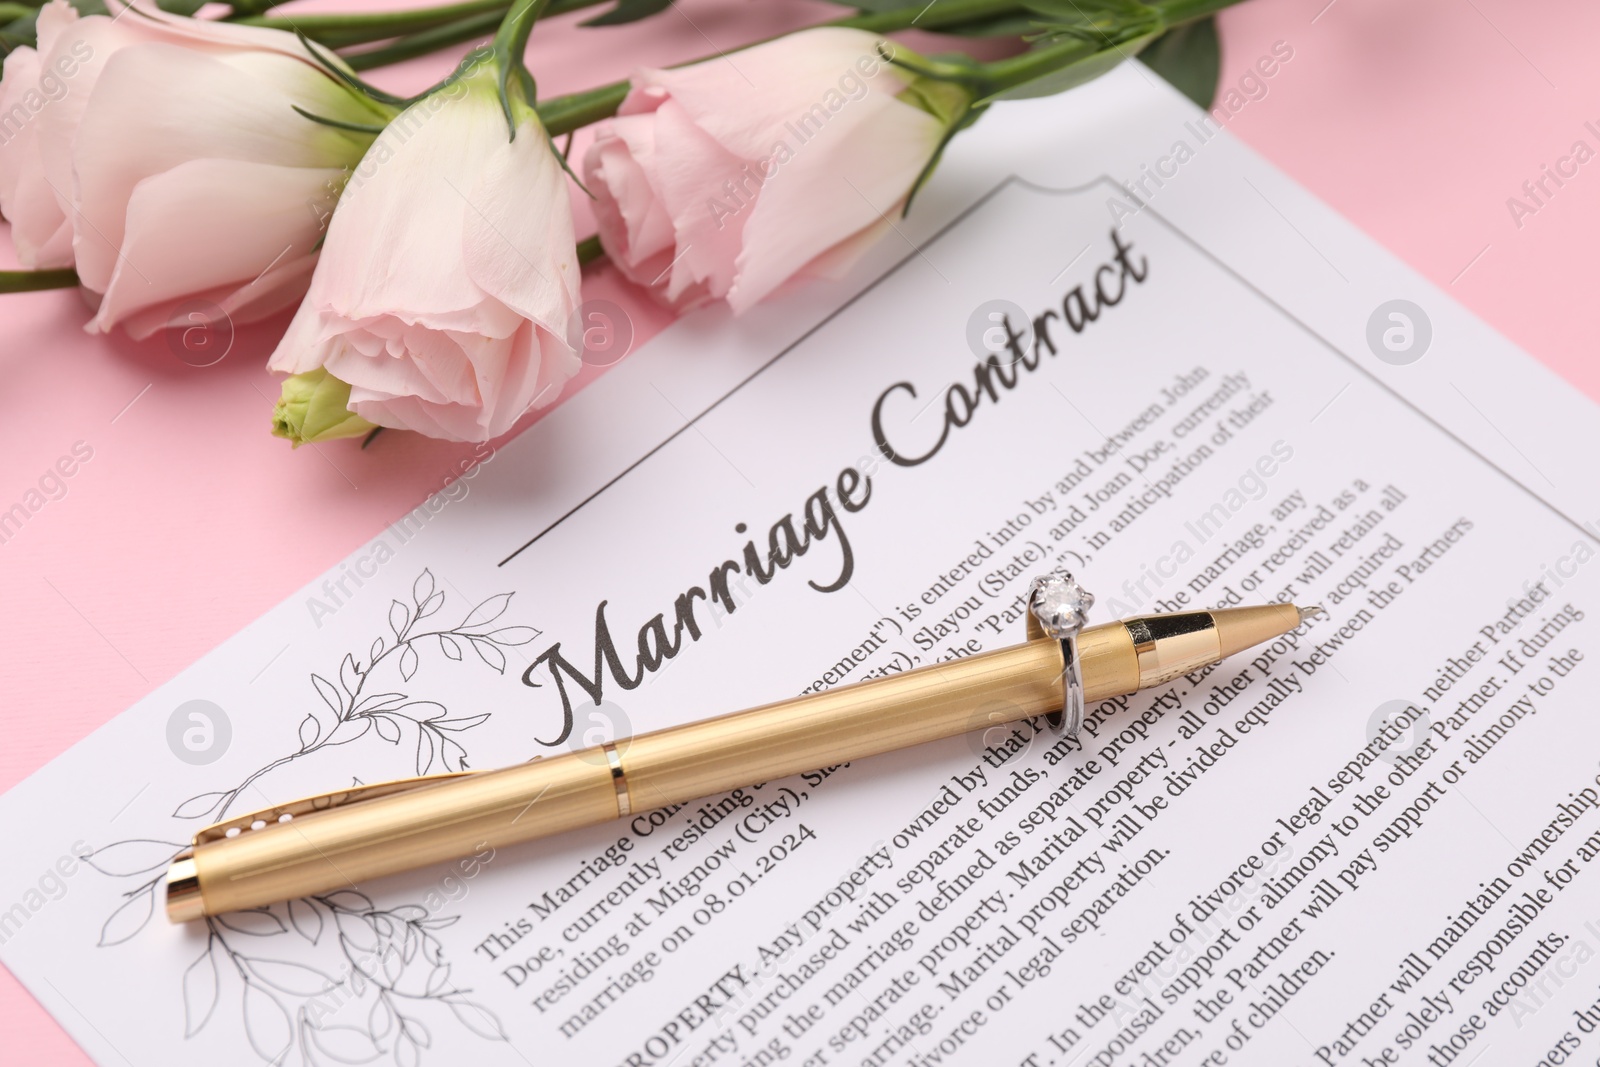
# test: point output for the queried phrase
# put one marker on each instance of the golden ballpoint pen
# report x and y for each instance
(338, 839)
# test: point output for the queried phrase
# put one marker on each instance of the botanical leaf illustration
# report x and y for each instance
(201, 990)
(459, 724)
(130, 918)
(424, 751)
(344, 1044)
(489, 652)
(349, 677)
(340, 946)
(399, 619)
(199, 807)
(477, 1018)
(328, 693)
(487, 612)
(294, 978)
(139, 856)
(258, 923)
(513, 635)
(306, 919)
(266, 1023)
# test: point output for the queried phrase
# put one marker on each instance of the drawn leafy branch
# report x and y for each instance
(347, 712)
(387, 955)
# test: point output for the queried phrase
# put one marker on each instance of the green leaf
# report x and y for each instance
(1104, 22)
(18, 34)
(1190, 58)
(1071, 75)
(628, 11)
(186, 8)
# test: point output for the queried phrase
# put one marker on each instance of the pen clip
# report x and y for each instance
(337, 798)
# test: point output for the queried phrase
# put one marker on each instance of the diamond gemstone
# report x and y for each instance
(1060, 604)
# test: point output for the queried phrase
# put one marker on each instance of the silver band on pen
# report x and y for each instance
(1058, 607)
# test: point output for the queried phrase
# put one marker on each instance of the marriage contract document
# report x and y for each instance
(1109, 340)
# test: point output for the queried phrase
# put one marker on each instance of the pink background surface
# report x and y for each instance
(1415, 120)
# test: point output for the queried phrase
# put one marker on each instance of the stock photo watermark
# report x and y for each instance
(599, 724)
(601, 332)
(1400, 727)
(199, 333)
(338, 591)
(1537, 192)
(50, 487)
(850, 87)
(1556, 574)
(989, 331)
(1251, 486)
(199, 732)
(52, 89)
(1399, 332)
(49, 887)
(1253, 86)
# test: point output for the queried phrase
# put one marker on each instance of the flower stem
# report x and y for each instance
(437, 27)
(1181, 11)
(932, 17)
(944, 14)
(28, 281)
(563, 114)
(589, 249)
(1049, 64)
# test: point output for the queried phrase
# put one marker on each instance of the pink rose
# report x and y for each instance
(167, 154)
(39, 227)
(725, 179)
(449, 275)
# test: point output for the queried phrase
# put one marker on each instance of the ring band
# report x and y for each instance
(619, 779)
(1057, 607)
(1070, 718)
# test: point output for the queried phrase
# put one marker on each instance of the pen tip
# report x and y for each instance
(1311, 611)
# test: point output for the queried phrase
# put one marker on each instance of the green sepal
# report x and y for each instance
(337, 124)
(561, 157)
(337, 69)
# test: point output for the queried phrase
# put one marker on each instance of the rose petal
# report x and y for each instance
(241, 219)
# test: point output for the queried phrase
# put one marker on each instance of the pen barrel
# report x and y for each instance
(467, 815)
(843, 724)
(312, 849)
(493, 810)
(339, 848)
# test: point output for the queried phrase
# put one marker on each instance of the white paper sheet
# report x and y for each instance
(1250, 867)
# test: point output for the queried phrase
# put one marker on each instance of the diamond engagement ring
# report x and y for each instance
(1057, 608)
